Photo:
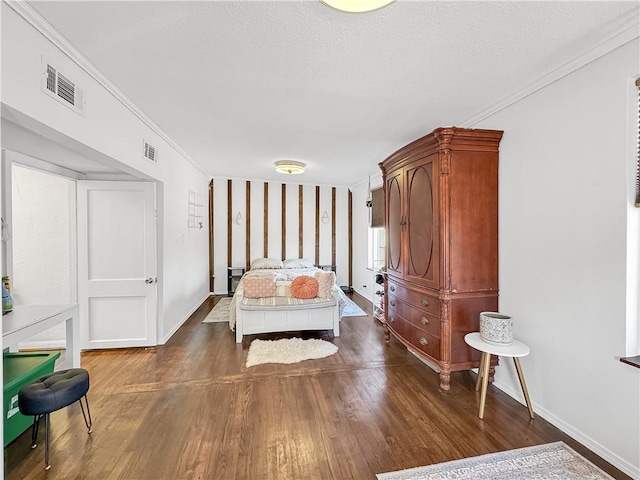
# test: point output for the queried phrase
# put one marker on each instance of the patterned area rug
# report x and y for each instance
(219, 313)
(288, 350)
(352, 310)
(548, 461)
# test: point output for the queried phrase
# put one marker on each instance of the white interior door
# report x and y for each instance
(117, 264)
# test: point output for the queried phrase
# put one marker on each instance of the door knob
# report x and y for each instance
(151, 280)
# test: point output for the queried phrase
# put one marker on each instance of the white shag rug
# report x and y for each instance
(288, 350)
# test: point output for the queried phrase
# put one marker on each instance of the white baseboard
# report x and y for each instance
(43, 345)
(576, 434)
(184, 319)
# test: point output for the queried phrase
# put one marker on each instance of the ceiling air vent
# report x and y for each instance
(61, 88)
(150, 152)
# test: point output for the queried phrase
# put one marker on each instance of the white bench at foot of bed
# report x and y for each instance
(283, 314)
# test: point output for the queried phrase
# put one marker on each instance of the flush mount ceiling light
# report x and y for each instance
(357, 6)
(290, 167)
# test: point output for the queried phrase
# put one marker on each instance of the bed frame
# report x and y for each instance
(279, 319)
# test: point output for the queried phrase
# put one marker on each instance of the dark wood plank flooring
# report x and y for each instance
(191, 410)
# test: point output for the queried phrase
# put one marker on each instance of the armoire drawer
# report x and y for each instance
(421, 340)
(414, 298)
(418, 318)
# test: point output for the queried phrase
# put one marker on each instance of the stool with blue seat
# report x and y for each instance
(50, 393)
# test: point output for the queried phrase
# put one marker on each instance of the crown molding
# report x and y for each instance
(627, 31)
(262, 180)
(31, 16)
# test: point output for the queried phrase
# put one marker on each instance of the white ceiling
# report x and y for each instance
(241, 84)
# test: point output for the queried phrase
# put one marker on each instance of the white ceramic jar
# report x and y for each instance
(496, 328)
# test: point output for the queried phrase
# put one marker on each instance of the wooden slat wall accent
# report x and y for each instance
(211, 265)
(317, 262)
(350, 220)
(284, 221)
(304, 228)
(300, 221)
(333, 226)
(248, 226)
(266, 220)
(229, 220)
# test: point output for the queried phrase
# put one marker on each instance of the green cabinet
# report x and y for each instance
(19, 370)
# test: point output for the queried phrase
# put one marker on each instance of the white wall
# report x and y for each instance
(565, 161)
(42, 252)
(111, 132)
(363, 277)
(238, 232)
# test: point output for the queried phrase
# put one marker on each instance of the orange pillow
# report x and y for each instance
(304, 287)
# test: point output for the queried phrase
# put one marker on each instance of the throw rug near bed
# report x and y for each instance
(288, 350)
(220, 312)
(548, 461)
(352, 310)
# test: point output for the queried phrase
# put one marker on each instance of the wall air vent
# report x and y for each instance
(51, 79)
(150, 152)
(60, 87)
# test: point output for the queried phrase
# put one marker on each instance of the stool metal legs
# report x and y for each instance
(34, 436)
(89, 422)
(47, 422)
(34, 431)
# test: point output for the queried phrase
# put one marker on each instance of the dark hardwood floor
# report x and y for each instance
(191, 410)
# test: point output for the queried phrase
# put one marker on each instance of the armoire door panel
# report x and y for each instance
(422, 265)
(394, 223)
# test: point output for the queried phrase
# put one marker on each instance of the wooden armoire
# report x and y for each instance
(441, 225)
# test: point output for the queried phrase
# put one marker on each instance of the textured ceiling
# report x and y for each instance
(240, 84)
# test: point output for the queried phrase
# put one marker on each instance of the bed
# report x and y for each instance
(277, 309)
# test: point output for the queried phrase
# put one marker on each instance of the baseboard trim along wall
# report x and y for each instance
(184, 319)
(577, 435)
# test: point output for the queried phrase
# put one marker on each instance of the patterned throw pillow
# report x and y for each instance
(304, 287)
(259, 286)
(326, 281)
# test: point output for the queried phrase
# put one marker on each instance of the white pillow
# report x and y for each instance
(260, 263)
(297, 263)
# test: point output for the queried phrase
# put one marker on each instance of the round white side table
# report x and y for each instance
(516, 350)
